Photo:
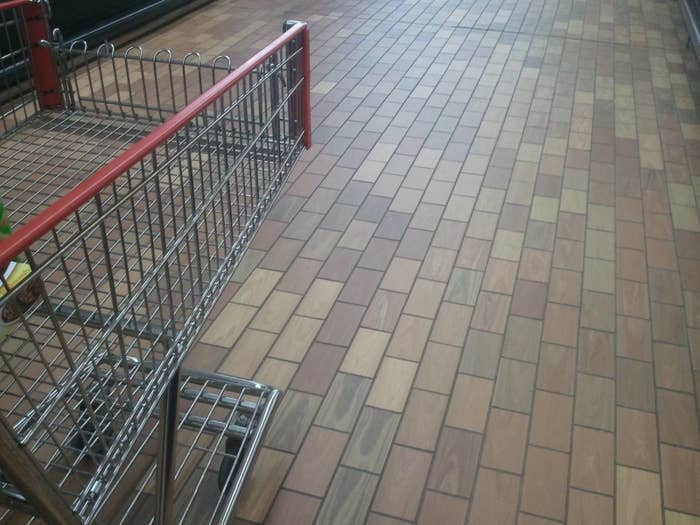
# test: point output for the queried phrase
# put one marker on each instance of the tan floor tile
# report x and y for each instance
(229, 324)
(676, 518)
(357, 235)
(469, 403)
(365, 352)
(275, 372)
(438, 264)
(565, 287)
(638, 497)
(463, 286)
(296, 338)
(294, 507)
(535, 265)
(424, 299)
(599, 275)
(247, 354)
(678, 419)
(507, 245)
(392, 384)
(560, 324)
(672, 367)
(320, 298)
(400, 275)
(275, 312)
(257, 287)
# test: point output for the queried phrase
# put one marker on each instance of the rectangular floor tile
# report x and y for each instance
(392, 384)
(401, 484)
(369, 443)
(348, 498)
(455, 462)
(469, 403)
(343, 402)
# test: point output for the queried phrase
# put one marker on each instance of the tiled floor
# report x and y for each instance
(481, 288)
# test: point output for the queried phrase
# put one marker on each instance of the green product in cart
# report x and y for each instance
(13, 274)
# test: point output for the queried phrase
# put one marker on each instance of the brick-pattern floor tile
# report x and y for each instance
(480, 289)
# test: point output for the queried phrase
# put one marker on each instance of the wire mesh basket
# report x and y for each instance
(135, 183)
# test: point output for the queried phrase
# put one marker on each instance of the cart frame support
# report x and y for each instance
(24, 471)
(46, 80)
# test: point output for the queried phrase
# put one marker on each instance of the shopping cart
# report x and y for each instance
(134, 185)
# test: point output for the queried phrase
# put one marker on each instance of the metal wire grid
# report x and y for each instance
(213, 410)
(127, 280)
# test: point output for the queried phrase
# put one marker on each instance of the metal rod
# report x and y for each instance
(166, 454)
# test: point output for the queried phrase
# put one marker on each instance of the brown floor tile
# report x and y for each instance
(292, 419)
(586, 508)
(276, 372)
(384, 310)
(291, 507)
(474, 254)
(262, 483)
(596, 353)
(560, 324)
(438, 368)
(678, 419)
(672, 367)
(680, 469)
(529, 299)
(371, 440)
(594, 406)
(316, 461)
(400, 275)
(247, 354)
(544, 483)
(495, 498)
(348, 498)
(568, 255)
(469, 403)
(565, 287)
(481, 354)
(296, 338)
(343, 402)
(451, 324)
(410, 337)
(491, 312)
(438, 264)
(633, 338)
(635, 384)
(341, 324)
(504, 444)
(637, 445)
(557, 369)
(360, 287)
(668, 324)
(499, 277)
(422, 419)
(592, 460)
(598, 311)
(551, 421)
(443, 509)
(515, 385)
(455, 462)
(535, 265)
(318, 368)
(401, 485)
(522, 339)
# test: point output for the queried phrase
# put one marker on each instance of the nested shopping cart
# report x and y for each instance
(134, 184)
